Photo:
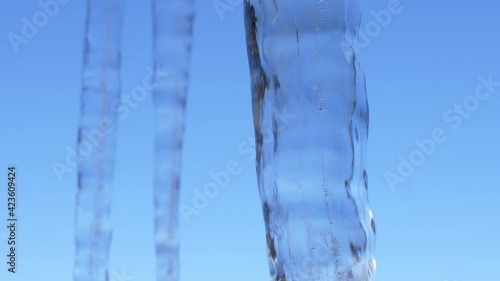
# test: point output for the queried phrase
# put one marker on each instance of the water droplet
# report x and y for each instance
(373, 266)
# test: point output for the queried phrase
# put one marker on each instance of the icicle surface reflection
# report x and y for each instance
(311, 169)
(96, 141)
(173, 23)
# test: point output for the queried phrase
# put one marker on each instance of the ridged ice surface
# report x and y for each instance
(311, 124)
(96, 144)
(173, 22)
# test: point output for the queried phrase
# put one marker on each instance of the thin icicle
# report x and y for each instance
(97, 139)
(173, 22)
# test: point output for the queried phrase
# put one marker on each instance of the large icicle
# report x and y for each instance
(304, 66)
(97, 139)
(173, 22)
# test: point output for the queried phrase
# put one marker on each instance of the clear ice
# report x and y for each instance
(96, 142)
(173, 24)
(304, 61)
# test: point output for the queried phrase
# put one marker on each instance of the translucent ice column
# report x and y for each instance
(311, 124)
(173, 23)
(97, 139)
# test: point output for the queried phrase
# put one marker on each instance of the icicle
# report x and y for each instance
(173, 22)
(311, 169)
(97, 139)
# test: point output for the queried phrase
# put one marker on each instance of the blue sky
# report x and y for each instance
(439, 221)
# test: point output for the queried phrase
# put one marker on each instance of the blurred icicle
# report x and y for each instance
(173, 23)
(97, 139)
